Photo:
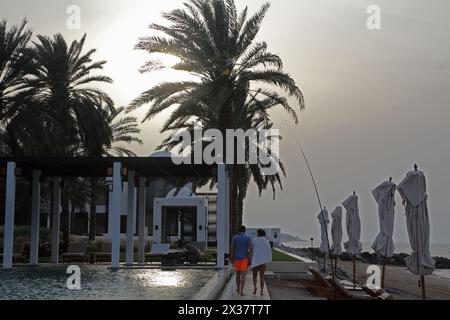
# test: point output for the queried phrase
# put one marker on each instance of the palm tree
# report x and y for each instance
(254, 116)
(216, 44)
(68, 106)
(63, 84)
(13, 64)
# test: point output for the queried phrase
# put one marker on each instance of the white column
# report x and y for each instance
(227, 213)
(56, 200)
(35, 212)
(221, 208)
(115, 214)
(10, 203)
(141, 223)
(109, 184)
(130, 219)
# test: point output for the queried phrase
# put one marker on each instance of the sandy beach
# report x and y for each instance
(402, 284)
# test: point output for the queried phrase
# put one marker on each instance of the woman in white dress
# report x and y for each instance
(262, 255)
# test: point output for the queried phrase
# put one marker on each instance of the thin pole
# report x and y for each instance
(422, 279)
(318, 199)
(354, 272)
(335, 263)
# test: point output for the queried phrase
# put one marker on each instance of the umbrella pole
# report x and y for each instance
(324, 263)
(383, 273)
(354, 272)
(335, 264)
(422, 282)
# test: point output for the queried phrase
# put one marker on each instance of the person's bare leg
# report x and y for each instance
(238, 282)
(243, 275)
(262, 270)
(255, 279)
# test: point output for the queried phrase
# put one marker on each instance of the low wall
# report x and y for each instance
(290, 267)
(215, 286)
(302, 266)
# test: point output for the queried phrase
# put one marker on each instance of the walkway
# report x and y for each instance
(230, 291)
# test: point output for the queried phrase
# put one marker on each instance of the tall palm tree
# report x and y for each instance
(14, 60)
(62, 85)
(217, 45)
(13, 64)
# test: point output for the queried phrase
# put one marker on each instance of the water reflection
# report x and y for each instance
(99, 283)
(164, 278)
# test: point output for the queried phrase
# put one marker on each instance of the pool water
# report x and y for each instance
(100, 283)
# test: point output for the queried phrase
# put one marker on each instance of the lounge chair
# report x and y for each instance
(325, 287)
(104, 255)
(76, 251)
(158, 251)
(319, 286)
(378, 293)
(18, 248)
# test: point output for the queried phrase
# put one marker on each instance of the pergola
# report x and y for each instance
(135, 170)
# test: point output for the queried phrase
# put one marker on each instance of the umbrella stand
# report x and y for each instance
(354, 272)
(335, 263)
(383, 273)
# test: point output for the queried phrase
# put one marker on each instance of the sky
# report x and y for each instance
(377, 101)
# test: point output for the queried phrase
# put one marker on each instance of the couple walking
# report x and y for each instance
(247, 253)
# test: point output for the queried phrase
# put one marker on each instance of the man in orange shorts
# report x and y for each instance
(240, 255)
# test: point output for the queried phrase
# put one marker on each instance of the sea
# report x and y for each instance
(437, 250)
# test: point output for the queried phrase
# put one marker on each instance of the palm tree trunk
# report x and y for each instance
(242, 191)
(93, 210)
(234, 212)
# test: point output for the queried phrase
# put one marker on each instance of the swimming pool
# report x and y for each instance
(100, 283)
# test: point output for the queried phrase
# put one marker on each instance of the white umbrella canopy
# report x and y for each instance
(336, 231)
(384, 195)
(323, 220)
(413, 192)
(353, 225)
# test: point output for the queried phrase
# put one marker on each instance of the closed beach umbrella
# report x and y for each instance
(383, 244)
(384, 196)
(414, 195)
(336, 231)
(353, 225)
(323, 220)
(336, 234)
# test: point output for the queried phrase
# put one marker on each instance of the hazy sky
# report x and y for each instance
(377, 101)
